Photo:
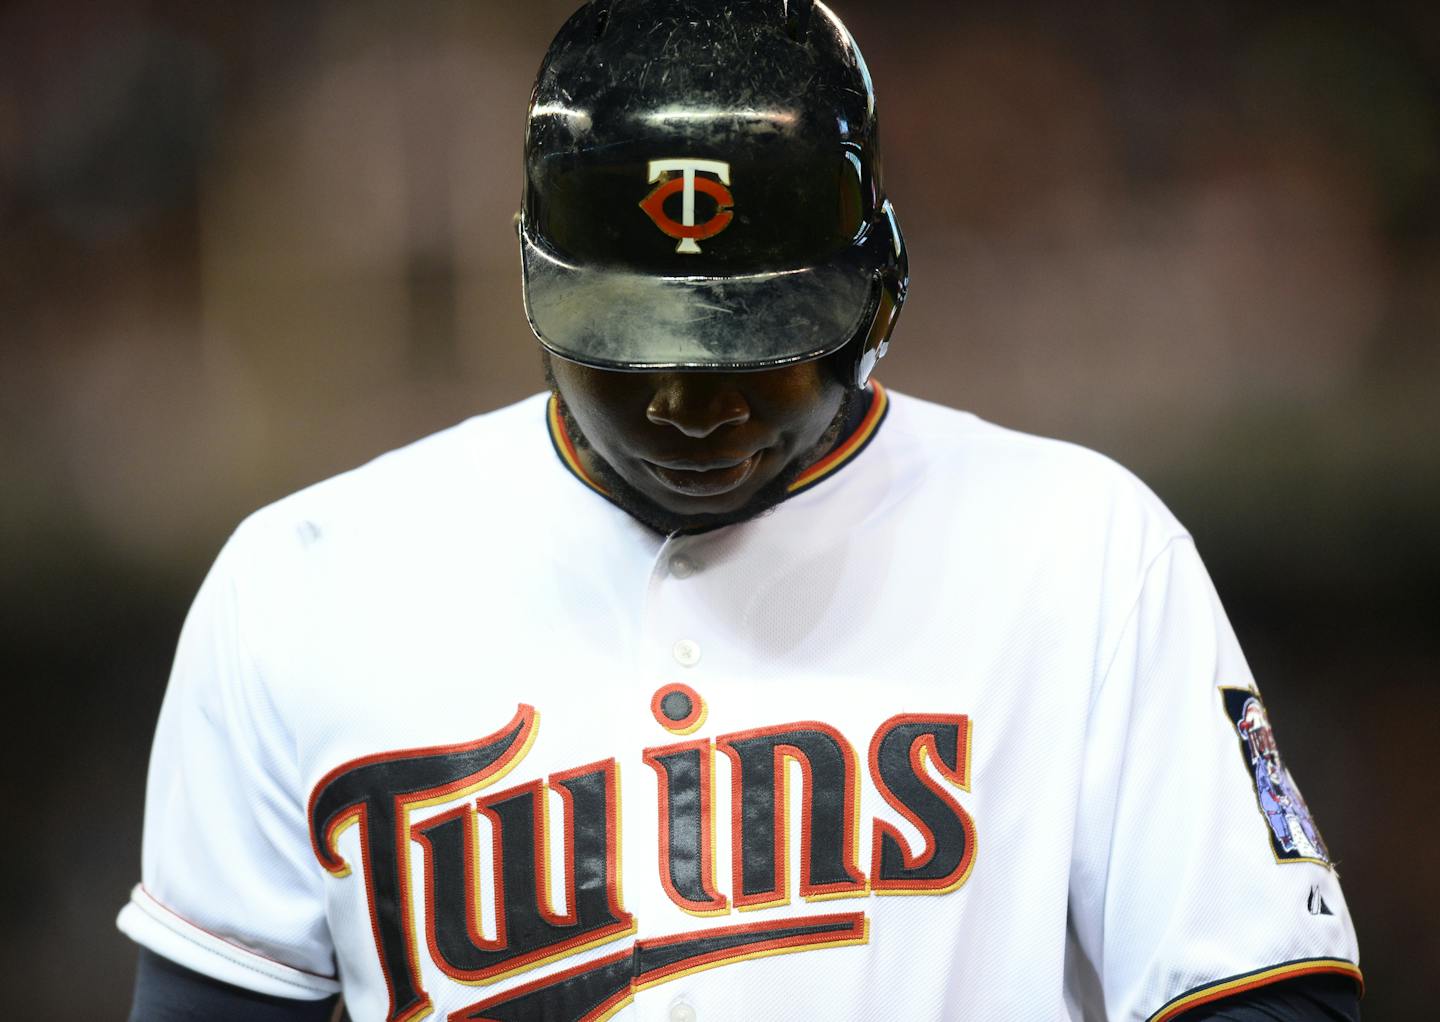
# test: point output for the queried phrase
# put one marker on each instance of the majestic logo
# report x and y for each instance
(1293, 834)
(422, 815)
(687, 184)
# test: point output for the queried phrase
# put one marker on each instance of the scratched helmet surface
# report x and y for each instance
(703, 190)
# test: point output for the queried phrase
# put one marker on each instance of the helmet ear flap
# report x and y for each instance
(893, 280)
(875, 342)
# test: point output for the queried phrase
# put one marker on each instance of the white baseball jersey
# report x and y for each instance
(958, 731)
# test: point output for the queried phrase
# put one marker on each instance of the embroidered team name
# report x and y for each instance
(687, 184)
(382, 793)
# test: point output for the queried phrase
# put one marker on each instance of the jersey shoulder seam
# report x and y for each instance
(1134, 608)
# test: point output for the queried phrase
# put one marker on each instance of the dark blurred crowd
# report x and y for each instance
(245, 246)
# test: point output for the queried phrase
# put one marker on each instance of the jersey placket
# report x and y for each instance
(677, 641)
(679, 646)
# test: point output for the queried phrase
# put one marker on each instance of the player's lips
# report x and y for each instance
(703, 478)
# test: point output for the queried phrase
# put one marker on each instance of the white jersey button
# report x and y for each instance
(681, 1012)
(682, 566)
(687, 652)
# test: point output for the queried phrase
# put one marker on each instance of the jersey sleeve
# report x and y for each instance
(1198, 872)
(229, 886)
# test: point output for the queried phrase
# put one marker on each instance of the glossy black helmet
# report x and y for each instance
(703, 190)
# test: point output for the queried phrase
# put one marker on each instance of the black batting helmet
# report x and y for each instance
(703, 190)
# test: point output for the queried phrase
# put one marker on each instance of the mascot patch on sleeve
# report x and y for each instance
(1293, 834)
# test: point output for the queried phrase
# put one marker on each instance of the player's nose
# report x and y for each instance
(697, 404)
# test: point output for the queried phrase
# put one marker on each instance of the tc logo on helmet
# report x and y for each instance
(688, 183)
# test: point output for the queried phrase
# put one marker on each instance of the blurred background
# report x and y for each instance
(247, 246)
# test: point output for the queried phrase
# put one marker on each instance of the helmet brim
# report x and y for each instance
(613, 318)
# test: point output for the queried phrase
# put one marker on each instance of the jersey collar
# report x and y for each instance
(860, 428)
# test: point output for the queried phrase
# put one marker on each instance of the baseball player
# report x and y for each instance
(719, 683)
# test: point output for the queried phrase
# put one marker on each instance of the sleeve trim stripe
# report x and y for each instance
(146, 921)
(1253, 980)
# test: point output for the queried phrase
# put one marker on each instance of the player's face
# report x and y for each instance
(702, 445)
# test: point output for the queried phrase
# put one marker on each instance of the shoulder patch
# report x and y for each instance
(1293, 834)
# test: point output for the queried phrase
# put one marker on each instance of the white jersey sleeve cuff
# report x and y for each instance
(149, 923)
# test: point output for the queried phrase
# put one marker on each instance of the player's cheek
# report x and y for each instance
(611, 420)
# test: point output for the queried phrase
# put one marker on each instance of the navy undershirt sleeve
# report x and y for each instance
(166, 992)
(1307, 999)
